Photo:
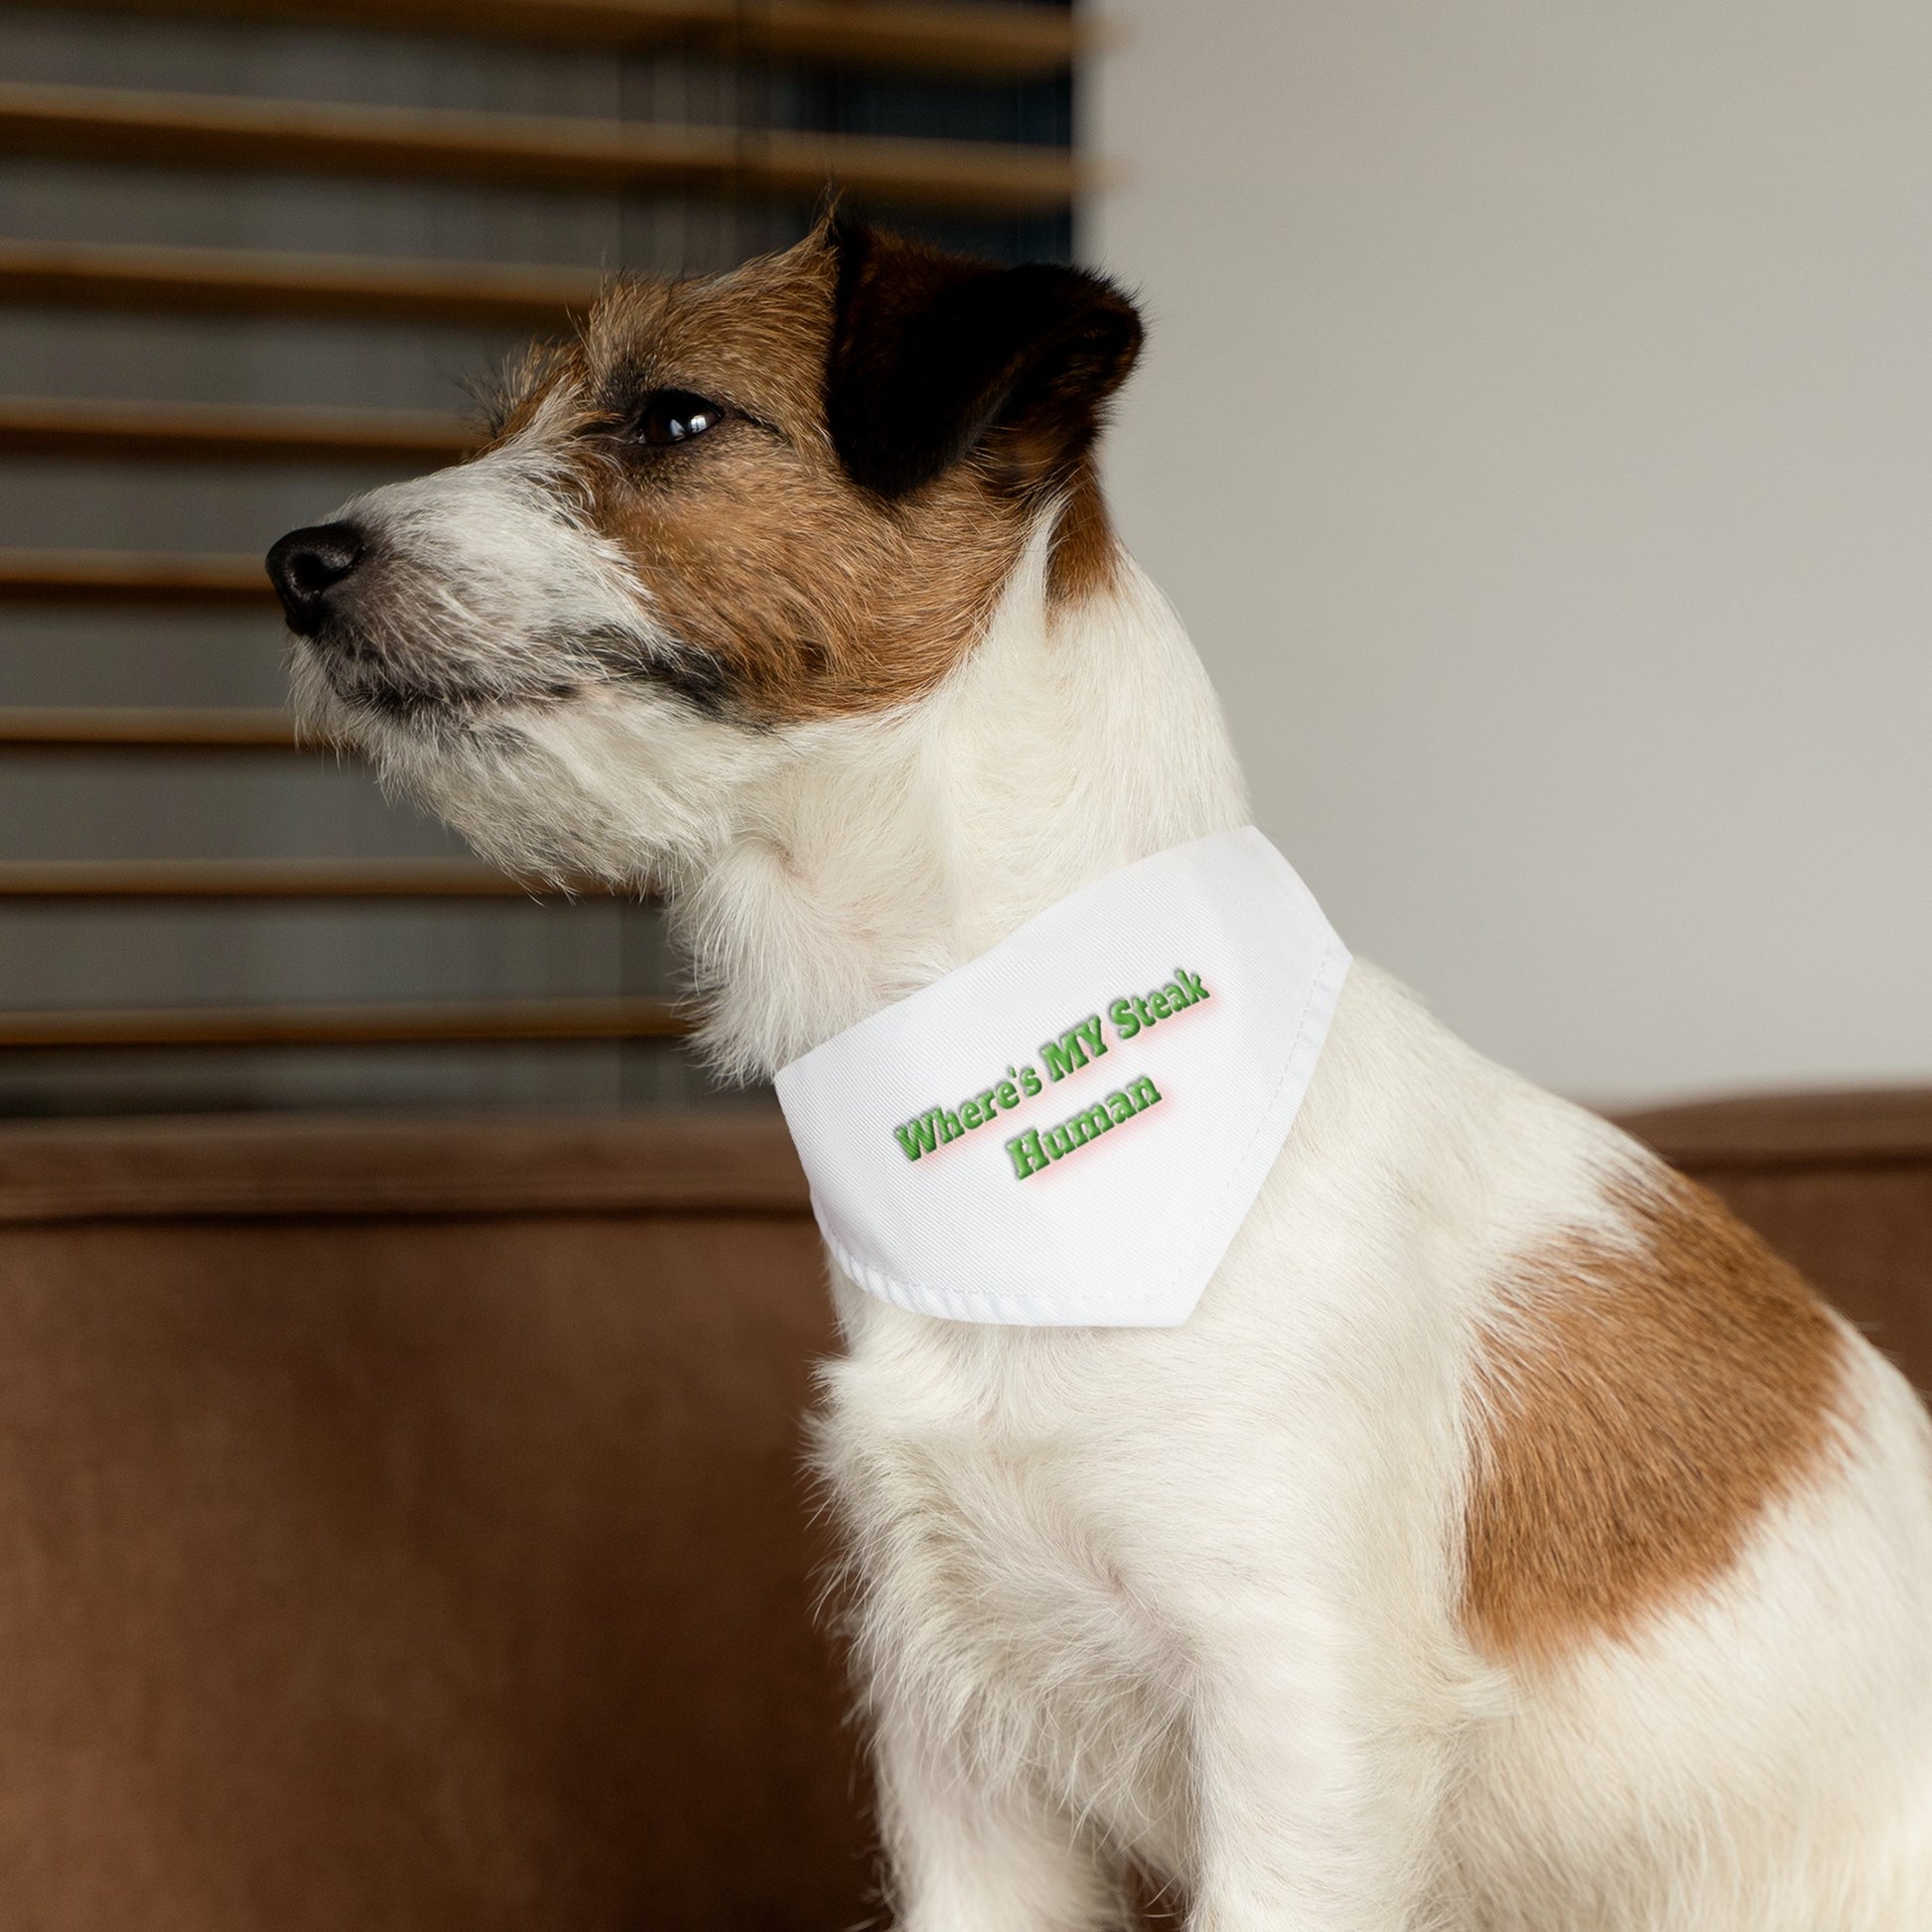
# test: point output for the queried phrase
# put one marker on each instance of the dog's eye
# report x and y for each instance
(675, 416)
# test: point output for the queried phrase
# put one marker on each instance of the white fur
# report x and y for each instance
(1188, 1598)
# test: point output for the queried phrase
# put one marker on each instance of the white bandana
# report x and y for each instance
(1069, 1131)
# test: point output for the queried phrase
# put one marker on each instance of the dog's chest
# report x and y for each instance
(999, 1570)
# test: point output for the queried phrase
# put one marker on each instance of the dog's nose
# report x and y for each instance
(306, 565)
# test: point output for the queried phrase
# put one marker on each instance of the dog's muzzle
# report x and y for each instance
(307, 566)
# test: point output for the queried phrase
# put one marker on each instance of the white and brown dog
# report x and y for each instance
(1508, 1541)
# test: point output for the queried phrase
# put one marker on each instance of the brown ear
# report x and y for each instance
(934, 355)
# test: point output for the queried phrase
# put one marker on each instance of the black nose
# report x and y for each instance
(306, 565)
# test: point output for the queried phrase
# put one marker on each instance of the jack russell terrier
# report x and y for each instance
(1494, 1536)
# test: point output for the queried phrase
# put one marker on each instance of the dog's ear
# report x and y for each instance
(934, 355)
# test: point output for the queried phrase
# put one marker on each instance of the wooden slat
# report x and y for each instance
(146, 728)
(421, 144)
(213, 281)
(256, 879)
(961, 39)
(132, 576)
(226, 432)
(1004, 42)
(440, 1023)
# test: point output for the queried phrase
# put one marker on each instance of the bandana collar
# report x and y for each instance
(1070, 1130)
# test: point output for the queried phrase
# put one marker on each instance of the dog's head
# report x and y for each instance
(731, 511)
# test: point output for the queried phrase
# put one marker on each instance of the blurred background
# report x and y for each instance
(250, 254)
(1534, 432)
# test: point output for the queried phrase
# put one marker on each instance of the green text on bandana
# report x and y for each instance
(1078, 1047)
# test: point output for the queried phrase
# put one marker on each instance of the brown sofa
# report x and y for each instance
(402, 1523)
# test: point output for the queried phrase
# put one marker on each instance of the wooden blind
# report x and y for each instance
(246, 247)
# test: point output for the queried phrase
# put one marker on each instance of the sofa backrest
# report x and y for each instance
(403, 1522)
(401, 1526)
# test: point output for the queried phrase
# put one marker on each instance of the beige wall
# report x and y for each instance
(1537, 433)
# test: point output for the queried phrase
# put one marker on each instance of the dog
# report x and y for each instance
(1508, 1542)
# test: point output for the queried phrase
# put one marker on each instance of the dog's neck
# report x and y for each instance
(886, 852)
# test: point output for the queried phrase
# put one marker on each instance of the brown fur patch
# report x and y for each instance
(797, 592)
(1087, 553)
(1640, 1407)
(814, 597)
